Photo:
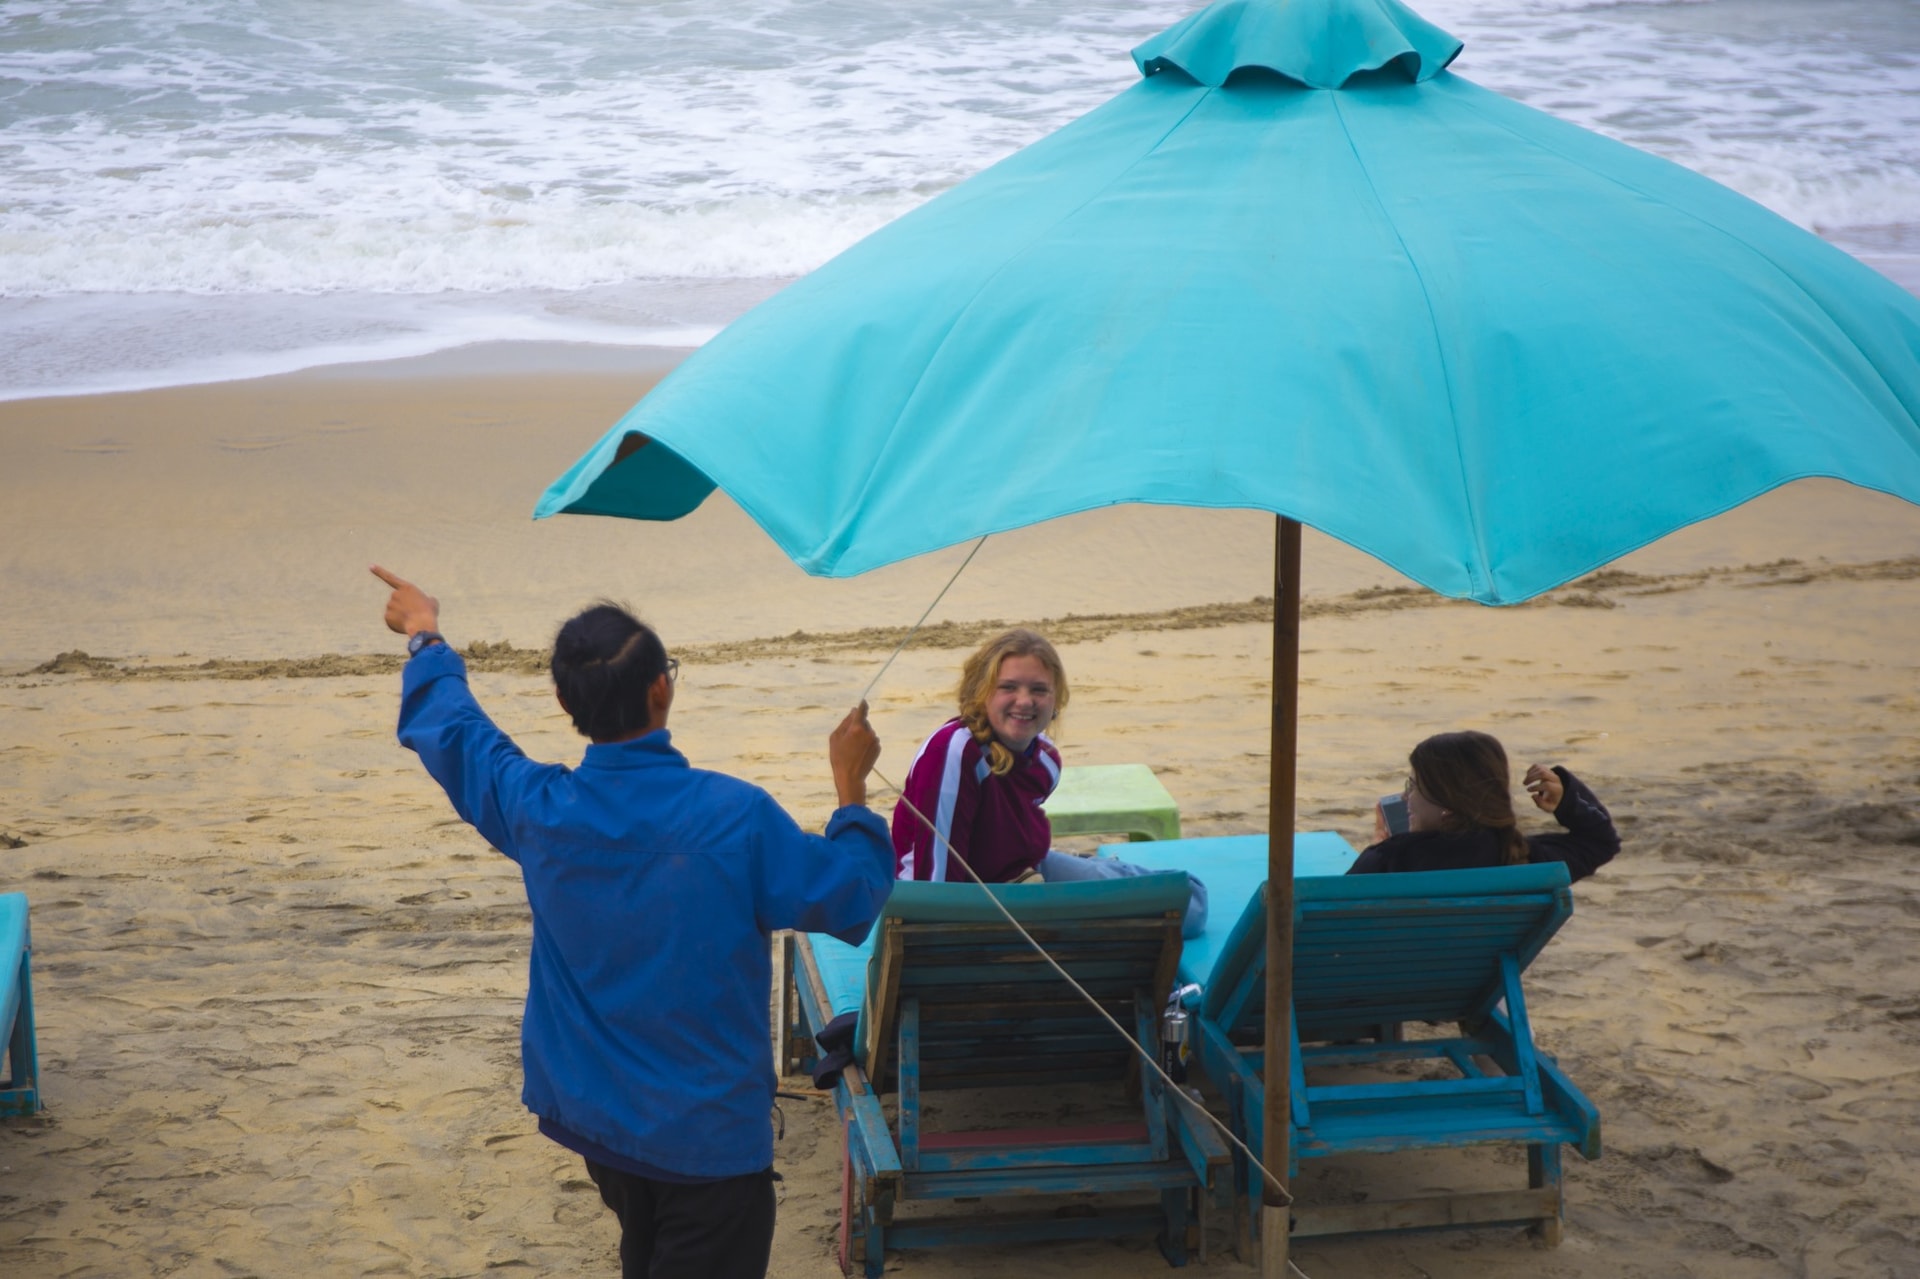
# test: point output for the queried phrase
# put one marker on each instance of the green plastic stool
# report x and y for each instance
(1113, 799)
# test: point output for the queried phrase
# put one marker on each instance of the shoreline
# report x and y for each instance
(567, 347)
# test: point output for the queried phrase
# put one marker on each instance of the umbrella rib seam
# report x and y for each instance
(1474, 570)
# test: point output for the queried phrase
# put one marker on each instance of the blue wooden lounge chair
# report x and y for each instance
(949, 997)
(1233, 867)
(1374, 953)
(20, 1089)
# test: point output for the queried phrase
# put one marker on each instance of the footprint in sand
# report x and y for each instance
(344, 426)
(1713, 1237)
(1683, 1164)
(252, 443)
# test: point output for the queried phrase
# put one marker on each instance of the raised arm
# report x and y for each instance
(1589, 839)
(478, 766)
(834, 883)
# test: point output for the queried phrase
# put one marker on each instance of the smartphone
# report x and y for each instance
(1394, 808)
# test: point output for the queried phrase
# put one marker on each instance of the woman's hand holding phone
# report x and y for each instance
(1390, 817)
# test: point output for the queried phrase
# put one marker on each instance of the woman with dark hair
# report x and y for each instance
(1460, 814)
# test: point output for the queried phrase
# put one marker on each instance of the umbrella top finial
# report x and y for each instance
(1319, 43)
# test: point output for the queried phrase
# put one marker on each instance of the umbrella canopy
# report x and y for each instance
(1303, 268)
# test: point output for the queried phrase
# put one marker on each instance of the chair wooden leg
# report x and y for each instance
(1543, 1172)
(846, 1199)
(876, 1240)
(863, 1236)
(1173, 1229)
(1243, 1177)
(862, 1231)
(785, 1002)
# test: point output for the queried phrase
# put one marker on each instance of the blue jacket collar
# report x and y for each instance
(653, 750)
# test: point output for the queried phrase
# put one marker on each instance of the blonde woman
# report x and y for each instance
(973, 793)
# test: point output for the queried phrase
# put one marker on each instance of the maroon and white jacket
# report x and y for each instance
(994, 823)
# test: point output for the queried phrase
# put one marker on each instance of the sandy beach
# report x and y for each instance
(279, 983)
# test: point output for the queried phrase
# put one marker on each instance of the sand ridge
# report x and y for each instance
(1597, 590)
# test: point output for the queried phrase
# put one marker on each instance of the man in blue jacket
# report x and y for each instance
(654, 887)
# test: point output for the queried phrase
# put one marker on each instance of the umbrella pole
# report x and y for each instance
(1275, 1220)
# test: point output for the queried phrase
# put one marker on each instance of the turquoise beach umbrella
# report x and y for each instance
(1303, 268)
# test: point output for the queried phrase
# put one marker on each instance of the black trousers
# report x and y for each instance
(713, 1230)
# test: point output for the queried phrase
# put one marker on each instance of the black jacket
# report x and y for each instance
(1588, 842)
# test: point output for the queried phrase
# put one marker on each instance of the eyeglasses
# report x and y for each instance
(673, 670)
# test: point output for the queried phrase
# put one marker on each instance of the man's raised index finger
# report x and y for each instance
(396, 582)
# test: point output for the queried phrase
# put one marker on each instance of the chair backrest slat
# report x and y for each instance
(1371, 949)
(994, 1012)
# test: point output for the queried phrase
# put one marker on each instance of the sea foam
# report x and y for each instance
(421, 171)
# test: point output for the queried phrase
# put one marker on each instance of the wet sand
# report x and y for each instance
(279, 983)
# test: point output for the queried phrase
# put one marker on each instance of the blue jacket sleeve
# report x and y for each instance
(478, 766)
(834, 883)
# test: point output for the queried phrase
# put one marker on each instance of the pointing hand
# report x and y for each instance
(409, 609)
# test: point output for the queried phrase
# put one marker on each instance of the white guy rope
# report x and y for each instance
(915, 628)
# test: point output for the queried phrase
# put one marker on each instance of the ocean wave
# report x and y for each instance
(240, 146)
(548, 154)
(438, 237)
(1828, 202)
(472, 243)
(1582, 6)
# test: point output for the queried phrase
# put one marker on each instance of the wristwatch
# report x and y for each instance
(420, 639)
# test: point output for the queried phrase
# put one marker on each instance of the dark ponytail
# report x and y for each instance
(604, 661)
